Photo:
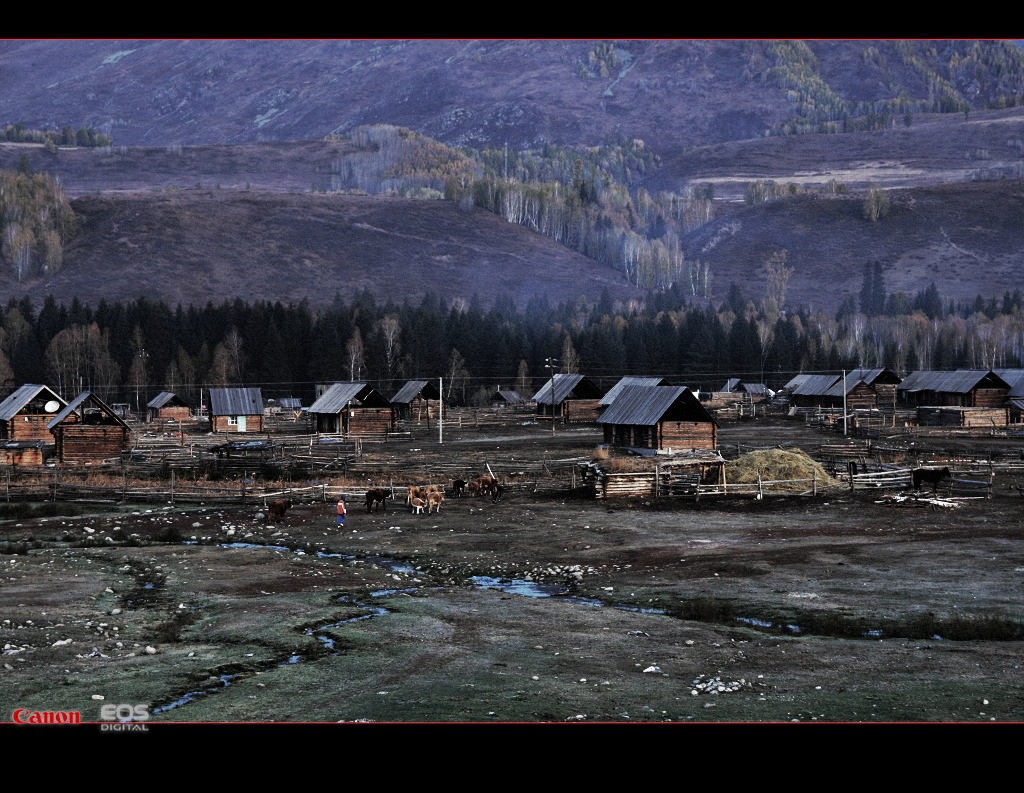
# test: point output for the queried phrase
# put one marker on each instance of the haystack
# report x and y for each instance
(776, 465)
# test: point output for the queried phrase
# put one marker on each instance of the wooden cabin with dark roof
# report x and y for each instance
(667, 418)
(24, 415)
(865, 389)
(415, 400)
(168, 406)
(236, 410)
(571, 398)
(352, 408)
(974, 388)
(87, 430)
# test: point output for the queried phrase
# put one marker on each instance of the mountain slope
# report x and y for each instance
(670, 93)
(195, 246)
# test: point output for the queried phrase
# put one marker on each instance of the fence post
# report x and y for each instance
(760, 489)
(814, 482)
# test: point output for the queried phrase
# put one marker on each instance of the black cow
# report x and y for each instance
(377, 496)
(932, 476)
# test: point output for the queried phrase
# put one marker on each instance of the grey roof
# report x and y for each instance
(608, 398)
(796, 382)
(816, 384)
(22, 396)
(335, 398)
(236, 402)
(1015, 378)
(511, 397)
(646, 405)
(413, 389)
(163, 398)
(79, 401)
(290, 402)
(867, 376)
(959, 382)
(731, 383)
(564, 386)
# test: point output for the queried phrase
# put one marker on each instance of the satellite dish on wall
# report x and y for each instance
(52, 406)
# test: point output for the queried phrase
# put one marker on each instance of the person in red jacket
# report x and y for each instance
(341, 511)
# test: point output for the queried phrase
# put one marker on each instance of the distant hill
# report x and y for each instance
(672, 93)
(194, 246)
(967, 238)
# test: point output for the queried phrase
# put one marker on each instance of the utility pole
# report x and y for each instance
(440, 412)
(552, 363)
(844, 403)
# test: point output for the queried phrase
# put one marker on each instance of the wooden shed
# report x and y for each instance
(667, 418)
(352, 409)
(866, 389)
(572, 398)
(415, 400)
(813, 390)
(168, 406)
(981, 388)
(24, 415)
(236, 410)
(87, 430)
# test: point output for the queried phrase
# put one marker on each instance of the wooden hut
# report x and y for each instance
(236, 410)
(507, 398)
(813, 390)
(977, 388)
(352, 409)
(668, 418)
(865, 389)
(168, 406)
(572, 398)
(415, 400)
(87, 430)
(24, 415)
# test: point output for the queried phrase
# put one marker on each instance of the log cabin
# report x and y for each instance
(87, 430)
(352, 408)
(668, 418)
(236, 410)
(416, 400)
(168, 406)
(24, 415)
(571, 398)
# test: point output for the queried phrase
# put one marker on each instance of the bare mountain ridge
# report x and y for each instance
(670, 93)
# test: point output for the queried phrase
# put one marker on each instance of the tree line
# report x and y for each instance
(130, 351)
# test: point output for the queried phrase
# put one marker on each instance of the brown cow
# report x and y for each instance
(414, 491)
(434, 502)
(278, 508)
(417, 505)
(474, 487)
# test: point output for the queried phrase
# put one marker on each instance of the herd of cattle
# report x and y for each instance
(428, 498)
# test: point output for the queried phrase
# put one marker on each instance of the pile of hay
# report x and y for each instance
(775, 465)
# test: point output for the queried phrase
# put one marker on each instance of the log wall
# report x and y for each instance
(82, 443)
(369, 421)
(252, 424)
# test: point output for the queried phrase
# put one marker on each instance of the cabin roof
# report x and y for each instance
(628, 380)
(961, 381)
(564, 386)
(647, 405)
(79, 402)
(22, 396)
(413, 389)
(164, 398)
(236, 402)
(335, 398)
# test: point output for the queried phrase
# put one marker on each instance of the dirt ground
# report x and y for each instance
(540, 608)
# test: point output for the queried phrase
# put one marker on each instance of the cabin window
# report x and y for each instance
(232, 421)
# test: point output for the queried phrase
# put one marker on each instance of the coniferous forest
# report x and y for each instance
(130, 351)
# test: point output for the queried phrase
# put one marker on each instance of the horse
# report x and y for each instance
(932, 476)
(496, 492)
(378, 495)
(278, 508)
